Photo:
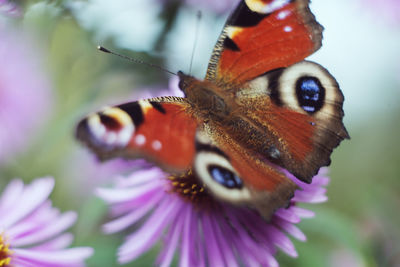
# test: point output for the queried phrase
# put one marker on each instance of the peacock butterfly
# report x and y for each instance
(261, 108)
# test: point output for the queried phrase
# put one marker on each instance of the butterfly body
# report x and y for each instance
(261, 110)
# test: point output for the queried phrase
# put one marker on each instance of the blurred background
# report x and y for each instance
(51, 75)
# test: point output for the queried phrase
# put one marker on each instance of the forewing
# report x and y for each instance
(159, 129)
(262, 35)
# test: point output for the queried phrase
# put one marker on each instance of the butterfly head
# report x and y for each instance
(184, 81)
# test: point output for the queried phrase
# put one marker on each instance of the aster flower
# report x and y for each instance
(179, 212)
(24, 102)
(9, 9)
(31, 230)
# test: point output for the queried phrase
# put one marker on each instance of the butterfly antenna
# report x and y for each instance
(198, 19)
(134, 60)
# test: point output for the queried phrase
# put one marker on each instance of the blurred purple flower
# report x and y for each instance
(9, 9)
(31, 230)
(220, 6)
(24, 92)
(388, 10)
(214, 234)
(346, 257)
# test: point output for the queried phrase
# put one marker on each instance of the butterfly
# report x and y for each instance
(261, 109)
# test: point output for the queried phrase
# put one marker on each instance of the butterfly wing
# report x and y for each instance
(168, 132)
(254, 58)
(299, 109)
(263, 35)
(160, 129)
(232, 173)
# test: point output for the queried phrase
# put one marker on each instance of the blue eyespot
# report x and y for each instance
(225, 177)
(310, 93)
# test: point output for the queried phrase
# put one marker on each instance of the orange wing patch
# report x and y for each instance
(254, 41)
(160, 129)
(166, 137)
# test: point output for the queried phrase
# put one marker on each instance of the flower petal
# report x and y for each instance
(51, 229)
(148, 234)
(57, 243)
(132, 217)
(66, 257)
(171, 243)
(119, 195)
(214, 254)
(10, 195)
(33, 196)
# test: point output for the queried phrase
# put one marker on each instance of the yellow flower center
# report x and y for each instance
(5, 252)
(187, 185)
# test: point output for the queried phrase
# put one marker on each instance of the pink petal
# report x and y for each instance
(10, 195)
(40, 216)
(171, 242)
(310, 196)
(68, 257)
(185, 248)
(132, 217)
(290, 229)
(33, 196)
(140, 177)
(288, 215)
(282, 241)
(151, 231)
(60, 242)
(214, 253)
(51, 229)
(302, 213)
(224, 244)
(121, 195)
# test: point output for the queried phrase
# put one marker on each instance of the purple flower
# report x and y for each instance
(32, 231)
(203, 230)
(24, 93)
(9, 9)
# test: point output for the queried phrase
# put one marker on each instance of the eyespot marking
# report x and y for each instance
(111, 127)
(224, 176)
(308, 88)
(220, 178)
(310, 93)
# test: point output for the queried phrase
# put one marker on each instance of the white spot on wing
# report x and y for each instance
(140, 139)
(232, 31)
(145, 105)
(288, 29)
(261, 7)
(96, 128)
(156, 145)
(283, 14)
